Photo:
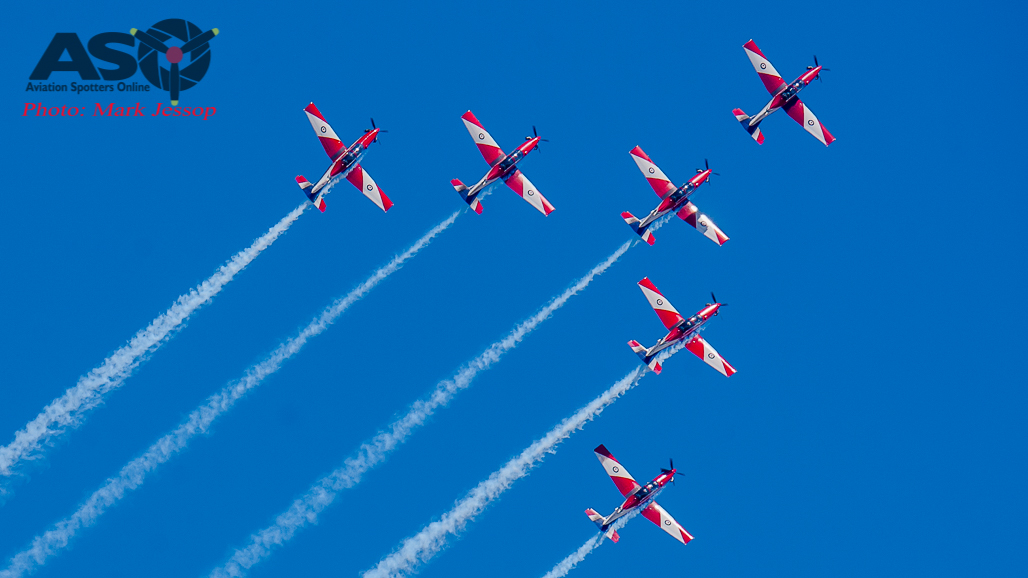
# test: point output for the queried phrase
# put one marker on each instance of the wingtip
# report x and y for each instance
(133, 31)
(215, 31)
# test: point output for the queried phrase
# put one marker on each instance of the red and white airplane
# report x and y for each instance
(680, 329)
(345, 163)
(503, 166)
(782, 96)
(637, 498)
(672, 199)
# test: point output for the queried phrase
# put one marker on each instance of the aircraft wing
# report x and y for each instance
(486, 145)
(622, 479)
(660, 517)
(360, 178)
(669, 316)
(656, 177)
(691, 214)
(700, 348)
(768, 75)
(326, 135)
(521, 185)
(802, 114)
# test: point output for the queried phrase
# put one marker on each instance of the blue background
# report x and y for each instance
(874, 287)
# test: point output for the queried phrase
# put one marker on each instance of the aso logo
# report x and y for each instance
(173, 55)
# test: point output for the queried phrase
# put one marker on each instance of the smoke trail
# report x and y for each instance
(199, 421)
(567, 564)
(431, 539)
(68, 410)
(564, 566)
(305, 510)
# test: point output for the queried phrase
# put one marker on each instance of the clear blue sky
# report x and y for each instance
(875, 288)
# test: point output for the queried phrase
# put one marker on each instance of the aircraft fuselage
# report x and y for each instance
(345, 162)
(676, 199)
(786, 94)
(505, 167)
(640, 499)
(683, 329)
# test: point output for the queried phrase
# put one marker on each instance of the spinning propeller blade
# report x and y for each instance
(535, 134)
(822, 70)
(706, 164)
(715, 301)
(373, 127)
(669, 469)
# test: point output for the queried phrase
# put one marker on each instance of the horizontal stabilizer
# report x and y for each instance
(472, 200)
(641, 352)
(754, 130)
(307, 188)
(598, 520)
(643, 232)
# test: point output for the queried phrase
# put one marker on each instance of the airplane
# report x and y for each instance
(783, 96)
(680, 329)
(637, 498)
(672, 199)
(502, 167)
(345, 162)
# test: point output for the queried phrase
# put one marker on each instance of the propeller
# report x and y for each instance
(373, 127)
(714, 299)
(815, 66)
(669, 469)
(173, 54)
(536, 135)
(706, 164)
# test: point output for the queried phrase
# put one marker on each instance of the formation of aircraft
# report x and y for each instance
(672, 199)
(501, 166)
(680, 329)
(637, 498)
(782, 96)
(345, 162)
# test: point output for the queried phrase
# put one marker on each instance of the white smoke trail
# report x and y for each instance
(305, 510)
(567, 564)
(199, 421)
(68, 410)
(421, 547)
(564, 566)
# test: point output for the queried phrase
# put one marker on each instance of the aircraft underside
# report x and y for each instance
(329, 177)
(653, 216)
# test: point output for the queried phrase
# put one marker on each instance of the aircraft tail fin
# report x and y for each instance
(754, 130)
(471, 200)
(598, 520)
(643, 232)
(307, 188)
(641, 352)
